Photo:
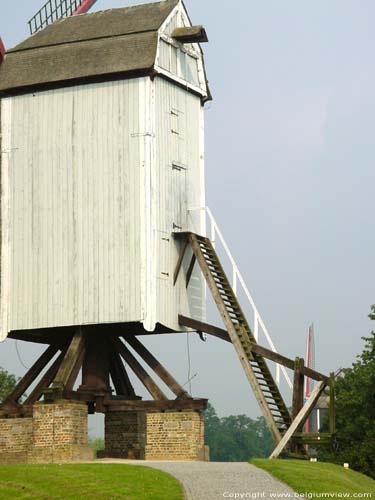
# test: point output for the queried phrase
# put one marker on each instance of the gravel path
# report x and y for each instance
(214, 481)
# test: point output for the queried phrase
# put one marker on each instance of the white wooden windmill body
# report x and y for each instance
(101, 160)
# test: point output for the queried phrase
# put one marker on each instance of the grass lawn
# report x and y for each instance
(86, 482)
(319, 477)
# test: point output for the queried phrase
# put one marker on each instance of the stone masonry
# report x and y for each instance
(57, 433)
(16, 437)
(155, 435)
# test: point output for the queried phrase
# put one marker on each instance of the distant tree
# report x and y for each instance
(355, 412)
(236, 438)
(7, 383)
(97, 444)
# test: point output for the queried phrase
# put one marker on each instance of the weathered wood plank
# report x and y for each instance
(120, 378)
(95, 366)
(177, 404)
(183, 248)
(262, 351)
(46, 381)
(300, 419)
(190, 270)
(32, 374)
(200, 326)
(72, 361)
(140, 372)
(298, 387)
(157, 367)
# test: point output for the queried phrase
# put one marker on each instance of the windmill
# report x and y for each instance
(51, 11)
(104, 232)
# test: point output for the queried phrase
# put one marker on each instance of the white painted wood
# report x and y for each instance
(6, 152)
(182, 63)
(104, 174)
(75, 210)
(178, 141)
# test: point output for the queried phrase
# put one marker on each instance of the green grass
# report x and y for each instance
(318, 477)
(86, 482)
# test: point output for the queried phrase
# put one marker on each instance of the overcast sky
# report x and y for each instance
(290, 177)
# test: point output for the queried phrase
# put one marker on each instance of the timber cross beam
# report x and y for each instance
(293, 438)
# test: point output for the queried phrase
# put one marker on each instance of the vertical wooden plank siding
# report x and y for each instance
(74, 206)
(179, 187)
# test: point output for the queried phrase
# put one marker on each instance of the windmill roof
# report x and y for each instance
(109, 42)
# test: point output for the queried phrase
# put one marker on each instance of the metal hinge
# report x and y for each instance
(178, 166)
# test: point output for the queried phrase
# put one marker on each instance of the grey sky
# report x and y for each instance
(290, 176)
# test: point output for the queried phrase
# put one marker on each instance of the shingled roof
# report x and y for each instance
(106, 43)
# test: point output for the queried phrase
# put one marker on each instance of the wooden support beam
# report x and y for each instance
(86, 396)
(332, 412)
(300, 419)
(262, 351)
(190, 270)
(46, 381)
(298, 387)
(199, 326)
(140, 372)
(184, 245)
(297, 402)
(120, 378)
(21, 412)
(72, 361)
(95, 366)
(157, 367)
(31, 375)
(177, 405)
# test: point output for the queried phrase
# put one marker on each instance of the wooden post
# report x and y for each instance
(332, 412)
(298, 398)
(298, 386)
(95, 367)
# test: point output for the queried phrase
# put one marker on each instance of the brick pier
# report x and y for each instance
(168, 435)
(55, 433)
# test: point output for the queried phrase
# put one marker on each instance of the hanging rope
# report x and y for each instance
(19, 357)
(189, 360)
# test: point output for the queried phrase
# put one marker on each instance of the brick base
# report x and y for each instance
(155, 436)
(57, 433)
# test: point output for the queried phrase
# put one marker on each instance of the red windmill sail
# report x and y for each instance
(2, 51)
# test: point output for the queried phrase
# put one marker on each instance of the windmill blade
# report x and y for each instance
(2, 51)
(53, 10)
(84, 7)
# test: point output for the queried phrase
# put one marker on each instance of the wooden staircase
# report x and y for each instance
(258, 374)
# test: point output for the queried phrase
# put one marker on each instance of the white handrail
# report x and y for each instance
(237, 278)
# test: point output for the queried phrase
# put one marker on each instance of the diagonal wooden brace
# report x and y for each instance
(184, 246)
(139, 371)
(119, 376)
(31, 375)
(70, 366)
(300, 419)
(157, 367)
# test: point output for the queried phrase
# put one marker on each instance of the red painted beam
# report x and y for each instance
(2, 51)
(84, 7)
